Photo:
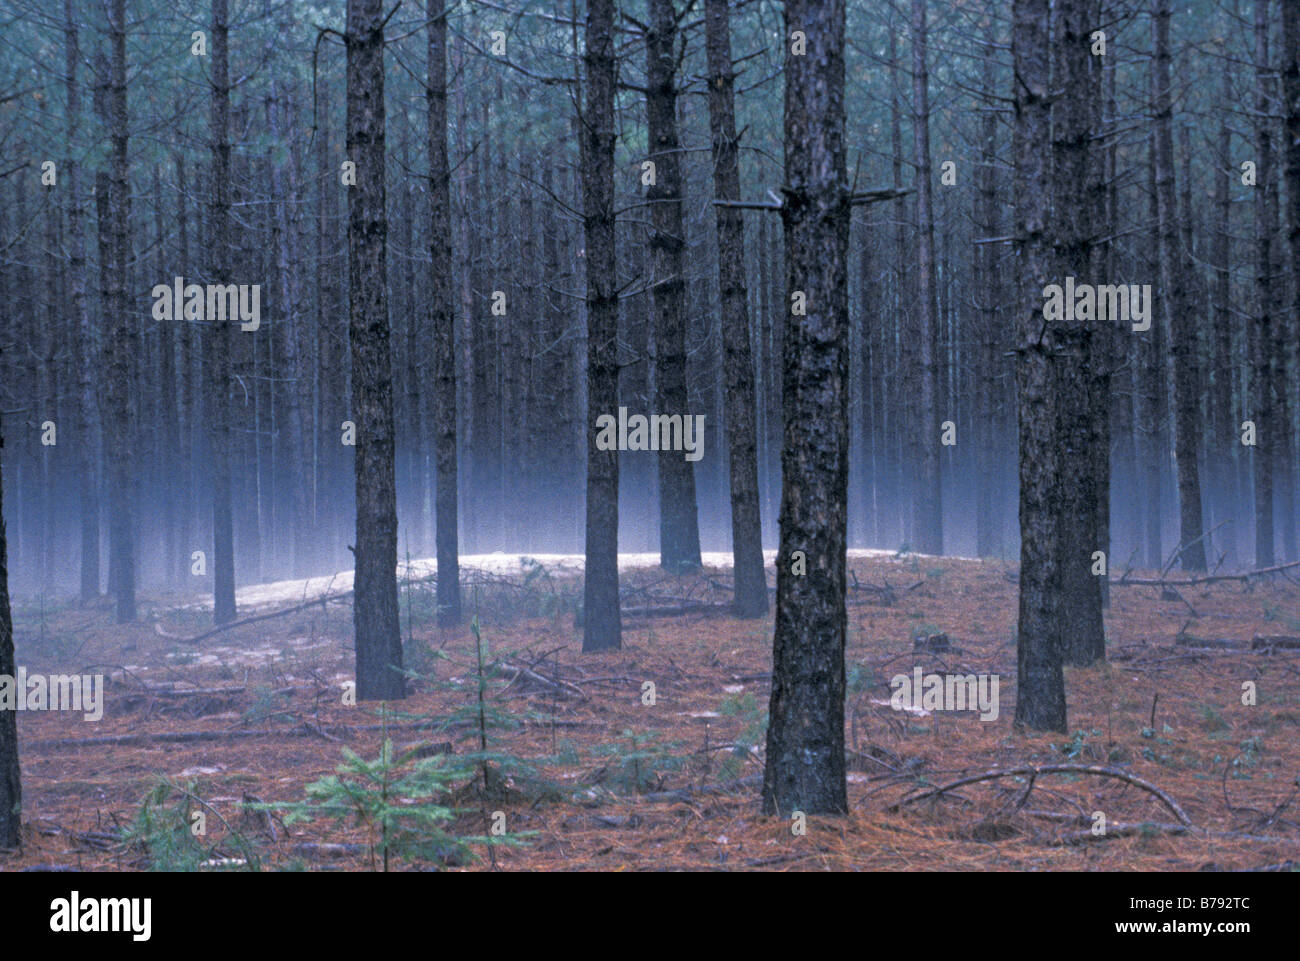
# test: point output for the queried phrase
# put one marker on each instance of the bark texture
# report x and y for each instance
(442, 324)
(805, 735)
(374, 611)
(738, 360)
(1040, 682)
(602, 621)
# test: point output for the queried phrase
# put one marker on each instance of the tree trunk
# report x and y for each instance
(1176, 315)
(1291, 94)
(442, 324)
(1101, 346)
(1040, 683)
(679, 536)
(11, 791)
(165, 413)
(928, 500)
(218, 329)
(1152, 387)
(602, 621)
(746, 530)
(805, 737)
(1074, 168)
(558, 487)
(902, 454)
(1268, 425)
(122, 352)
(288, 203)
(83, 332)
(188, 397)
(987, 319)
(374, 611)
(1224, 426)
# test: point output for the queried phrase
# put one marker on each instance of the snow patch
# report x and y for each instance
(276, 593)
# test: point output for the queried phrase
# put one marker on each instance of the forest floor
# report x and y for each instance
(584, 772)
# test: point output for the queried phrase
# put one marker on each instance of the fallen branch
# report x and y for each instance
(1180, 551)
(1119, 830)
(302, 730)
(1218, 644)
(1129, 829)
(1038, 771)
(327, 850)
(1267, 642)
(675, 610)
(171, 737)
(1194, 581)
(221, 628)
(686, 793)
(557, 685)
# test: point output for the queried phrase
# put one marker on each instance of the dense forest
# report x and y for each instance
(299, 288)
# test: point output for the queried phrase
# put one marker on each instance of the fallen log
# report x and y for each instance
(302, 730)
(673, 610)
(1270, 642)
(1219, 644)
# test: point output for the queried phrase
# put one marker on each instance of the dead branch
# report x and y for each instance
(221, 628)
(676, 610)
(302, 730)
(1119, 830)
(556, 685)
(1267, 642)
(1194, 581)
(1039, 770)
(327, 850)
(686, 793)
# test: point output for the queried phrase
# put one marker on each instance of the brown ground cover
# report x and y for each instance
(257, 714)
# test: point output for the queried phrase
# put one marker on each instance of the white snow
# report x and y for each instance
(277, 593)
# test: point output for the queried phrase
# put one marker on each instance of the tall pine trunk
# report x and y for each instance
(87, 406)
(287, 198)
(1176, 315)
(985, 204)
(602, 620)
(219, 341)
(1074, 161)
(442, 324)
(928, 500)
(1040, 681)
(1291, 95)
(679, 535)
(746, 530)
(374, 611)
(1224, 426)
(805, 736)
(1267, 424)
(11, 792)
(122, 349)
